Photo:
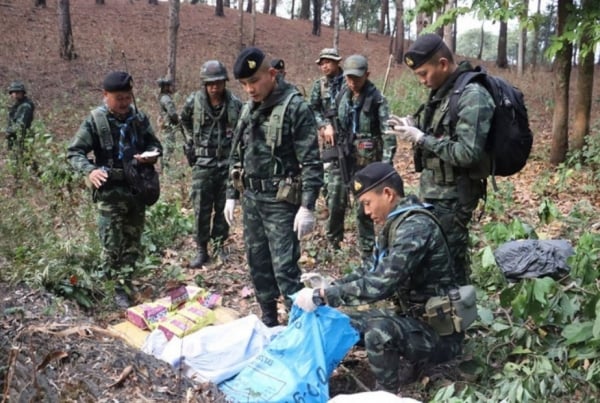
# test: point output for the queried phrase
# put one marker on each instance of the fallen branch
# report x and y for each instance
(355, 378)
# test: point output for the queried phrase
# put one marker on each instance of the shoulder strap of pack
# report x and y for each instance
(275, 129)
(104, 133)
(198, 109)
(478, 74)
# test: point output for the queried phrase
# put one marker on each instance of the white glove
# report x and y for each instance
(395, 120)
(315, 280)
(228, 211)
(304, 299)
(406, 133)
(304, 222)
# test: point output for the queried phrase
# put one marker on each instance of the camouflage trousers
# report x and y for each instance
(388, 337)
(121, 218)
(455, 218)
(272, 248)
(208, 198)
(168, 141)
(337, 203)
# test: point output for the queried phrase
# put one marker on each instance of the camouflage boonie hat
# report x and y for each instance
(16, 86)
(329, 53)
(356, 65)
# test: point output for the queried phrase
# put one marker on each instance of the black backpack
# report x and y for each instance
(510, 138)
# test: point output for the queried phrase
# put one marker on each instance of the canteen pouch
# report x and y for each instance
(290, 191)
(438, 314)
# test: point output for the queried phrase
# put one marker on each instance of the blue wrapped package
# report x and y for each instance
(297, 364)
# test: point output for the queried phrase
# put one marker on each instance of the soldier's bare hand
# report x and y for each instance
(98, 177)
(329, 135)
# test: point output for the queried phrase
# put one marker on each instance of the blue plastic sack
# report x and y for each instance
(297, 364)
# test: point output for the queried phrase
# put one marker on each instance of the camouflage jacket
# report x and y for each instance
(366, 118)
(413, 267)
(138, 137)
(323, 96)
(20, 116)
(210, 129)
(168, 112)
(448, 155)
(295, 155)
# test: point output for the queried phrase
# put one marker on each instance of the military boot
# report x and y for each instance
(201, 257)
(269, 314)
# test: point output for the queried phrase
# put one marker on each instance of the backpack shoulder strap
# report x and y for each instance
(198, 109)
(275, 129)
(478, 74)
(104, 133)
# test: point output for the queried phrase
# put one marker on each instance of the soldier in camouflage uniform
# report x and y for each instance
(412, 264)
(362, 116)
(323, 100)
(452, 161)
(278, 171)
(168, 119)
(121, 212)
(208, 119)
(20, 116)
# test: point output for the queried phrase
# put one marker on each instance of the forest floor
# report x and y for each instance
(53, 345)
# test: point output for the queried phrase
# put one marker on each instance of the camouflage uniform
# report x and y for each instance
(20, 116)
(363, 122)
(168, 126)
(322, 101)
(454, 161)
(121, 213)
(415, 266)
(272, 246)
(210, 130)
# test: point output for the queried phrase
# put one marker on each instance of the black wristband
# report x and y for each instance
(317, 299)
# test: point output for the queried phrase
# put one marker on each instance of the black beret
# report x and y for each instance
(371, 176)
(278, 64)
(422, 50)
(117, 81)
(248, 62)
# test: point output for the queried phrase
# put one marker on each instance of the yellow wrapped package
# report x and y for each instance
(199, 314)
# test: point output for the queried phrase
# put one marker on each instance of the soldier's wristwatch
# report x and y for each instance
(317, 299)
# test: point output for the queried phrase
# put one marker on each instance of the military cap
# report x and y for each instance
(164, 81)
(248, 62)
(422, 50)
(16, 86)
(356, 65)
(116, 81)
(278, 64)
(328, 53)
(371, 176)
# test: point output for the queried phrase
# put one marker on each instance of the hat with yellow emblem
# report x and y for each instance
(422, 50)
(248, 62)
(371, 176)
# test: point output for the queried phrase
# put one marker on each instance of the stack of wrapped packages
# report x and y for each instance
(183, 311)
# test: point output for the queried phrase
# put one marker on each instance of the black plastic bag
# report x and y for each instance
(534, 258)
(143, 180)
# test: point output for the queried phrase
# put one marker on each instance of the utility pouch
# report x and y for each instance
(190, 154)
(237, 179)
(289, 190)
(329, 154)
(438, 314)
(418, 158)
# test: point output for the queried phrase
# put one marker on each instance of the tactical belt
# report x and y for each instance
(269, 185)
(206, 152)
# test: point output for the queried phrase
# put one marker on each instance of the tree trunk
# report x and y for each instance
(99, 1)
(241, 9)
(399, 47)
(333, 11)
(422, 22)
(336, 23)
(481, 43)
(536, 37)
(174, 6)
(227, 3)
(293, 9)
(562, 74)
(304, 10)
(219, 8)
(501, 57)
(584, 86)
(253, 26)
(67, 49)
(522, 39)
(154, 2)
(266, 6)
(316, 29)
(273, 7)
(448, 28)
(249, 6)
(39, 3)
(383, 16)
